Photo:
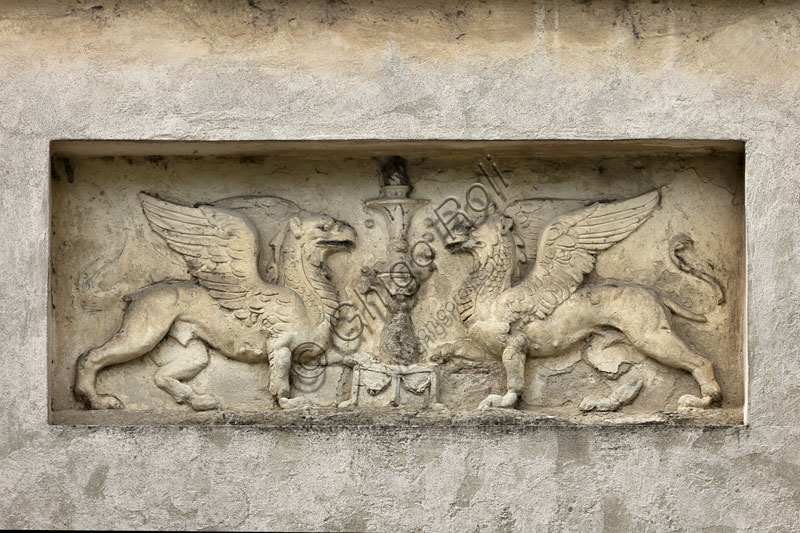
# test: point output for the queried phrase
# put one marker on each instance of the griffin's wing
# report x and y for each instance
(221, 250)
(269, 215)
(567, 250)
(531, 215)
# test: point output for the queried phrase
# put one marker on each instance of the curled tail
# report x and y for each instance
(679, 244)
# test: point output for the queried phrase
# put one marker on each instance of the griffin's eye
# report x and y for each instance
(325, 227)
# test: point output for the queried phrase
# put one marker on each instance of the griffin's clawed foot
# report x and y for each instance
(712, 390)
(464, 349)
(711, 394)
(295, 403)
(442, 353)
(689, 401)
(619, 398)
(204, 402)
(508, 401)
(106, 401)
(596, 404)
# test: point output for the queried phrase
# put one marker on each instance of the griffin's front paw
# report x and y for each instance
(362, 360)
(279, 389)
(442, 353)
(508, 401)
(295, 403)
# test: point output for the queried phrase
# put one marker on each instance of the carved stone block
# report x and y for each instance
(384, 385)
(596, 282)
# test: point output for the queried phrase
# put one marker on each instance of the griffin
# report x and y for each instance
(549, 311)
(252, 299)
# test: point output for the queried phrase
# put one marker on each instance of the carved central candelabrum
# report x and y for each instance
(397, 278)
(394, 375)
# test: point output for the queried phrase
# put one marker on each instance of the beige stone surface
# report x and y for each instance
(192, 71)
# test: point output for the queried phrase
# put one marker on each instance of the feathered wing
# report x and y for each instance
(269, 215)
(531, 215)
(220, 247)
(567, 250)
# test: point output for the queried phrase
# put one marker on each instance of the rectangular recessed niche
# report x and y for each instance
(394, 283)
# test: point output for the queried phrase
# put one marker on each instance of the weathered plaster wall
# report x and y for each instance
(544, 70)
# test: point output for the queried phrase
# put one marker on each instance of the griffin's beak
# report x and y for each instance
(345, 237)
(454, 246)
(349, 236)
(523, 257)
(460, 245)
(461, 239)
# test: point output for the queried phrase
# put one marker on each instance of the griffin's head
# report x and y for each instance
(482, 237)
(322, 233)
(473, 237)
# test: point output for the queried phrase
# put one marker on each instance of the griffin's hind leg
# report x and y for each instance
(143, 326)
(663, 345)
(85, 391)
(649, 330)
(193, 357)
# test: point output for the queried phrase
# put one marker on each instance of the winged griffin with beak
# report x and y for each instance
(549, 311)
(254, 298)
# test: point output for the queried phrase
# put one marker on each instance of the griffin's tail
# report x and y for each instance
(676, 249)
(131, 296)
(681, 311)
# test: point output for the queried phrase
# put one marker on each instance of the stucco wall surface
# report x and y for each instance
(400, 70)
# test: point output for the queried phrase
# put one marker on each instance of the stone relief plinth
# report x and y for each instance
(592, 282)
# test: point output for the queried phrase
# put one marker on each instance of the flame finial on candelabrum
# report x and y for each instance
(393, 172)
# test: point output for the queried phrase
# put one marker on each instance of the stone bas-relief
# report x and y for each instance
(592, 289)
